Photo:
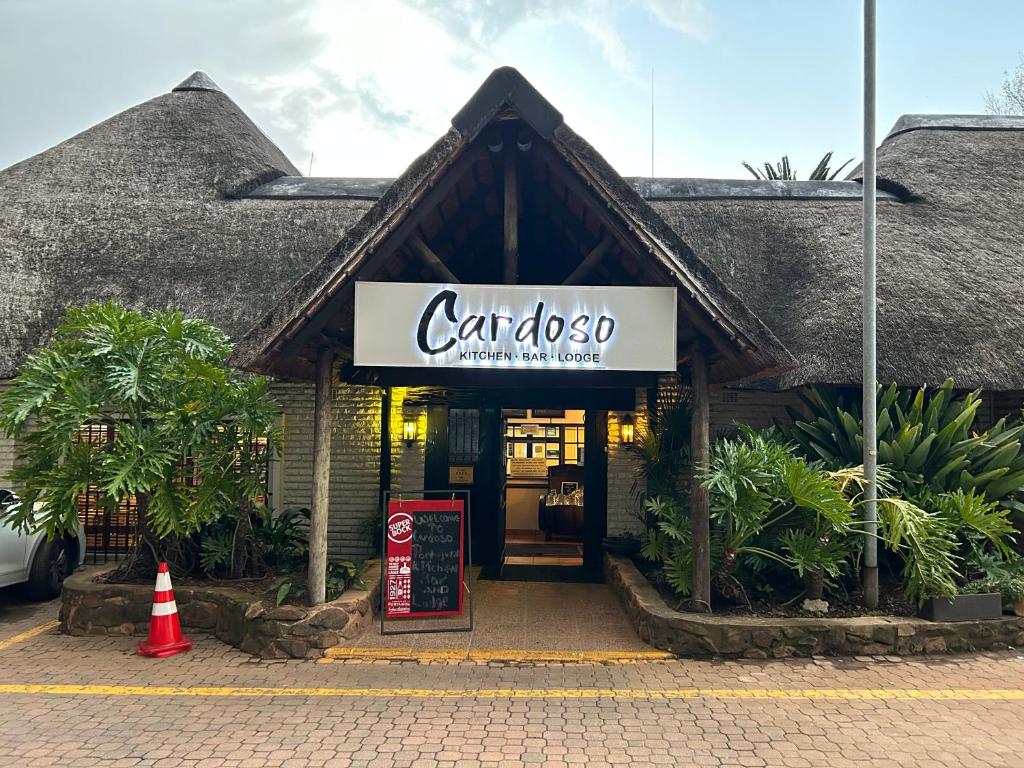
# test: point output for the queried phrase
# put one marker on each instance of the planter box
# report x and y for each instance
(621, 547)
(963, 607)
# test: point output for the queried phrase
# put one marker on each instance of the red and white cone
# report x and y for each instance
(165, 638)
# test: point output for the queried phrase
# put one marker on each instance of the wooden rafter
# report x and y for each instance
(510, 259)
(590, 261)
(431, 259)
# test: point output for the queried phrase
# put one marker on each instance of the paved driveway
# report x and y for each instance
(92, 702)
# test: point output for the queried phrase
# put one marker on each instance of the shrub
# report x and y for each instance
(926, 439)
(188, 429)
(774, 512)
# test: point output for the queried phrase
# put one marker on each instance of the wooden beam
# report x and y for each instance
(590, 261)
(371, 254)
(700, 500)
(431, 259)
(321, 491)
(511, 251)
(628, 235)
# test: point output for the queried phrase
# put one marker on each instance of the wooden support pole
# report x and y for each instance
(431, 259)
(511, 251)
(700, 502)
(321, 492)
(591, 260)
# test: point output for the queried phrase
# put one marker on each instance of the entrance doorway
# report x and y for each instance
(519, 452)
(544, 492)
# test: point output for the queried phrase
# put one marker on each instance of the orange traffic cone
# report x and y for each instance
(165, 638)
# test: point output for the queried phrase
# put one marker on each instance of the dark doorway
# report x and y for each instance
(537, 476)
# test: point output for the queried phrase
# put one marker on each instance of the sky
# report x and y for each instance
(361, 87)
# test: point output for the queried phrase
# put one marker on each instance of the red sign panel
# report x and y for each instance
(423, 558)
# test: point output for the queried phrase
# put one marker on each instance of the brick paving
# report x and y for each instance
(575, 617)
(537, 721)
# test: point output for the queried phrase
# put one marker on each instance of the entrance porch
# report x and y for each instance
(519, 621)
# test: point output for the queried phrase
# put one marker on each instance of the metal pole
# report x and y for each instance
(870, 383)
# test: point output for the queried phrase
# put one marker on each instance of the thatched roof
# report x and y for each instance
(757, 351)
(950, 260)
(182, 201)
(950, 253)
(147, 208)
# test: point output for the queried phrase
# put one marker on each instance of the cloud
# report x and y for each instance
(425, 55)
(688, 17)
(479, 23)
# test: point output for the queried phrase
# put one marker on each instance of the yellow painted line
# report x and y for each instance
(494, 655)
(957, 694)
(27, 634)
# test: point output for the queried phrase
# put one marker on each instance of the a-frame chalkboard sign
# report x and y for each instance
(425, 561)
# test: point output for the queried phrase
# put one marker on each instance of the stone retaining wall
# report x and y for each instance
(697, 635)
(272, 632)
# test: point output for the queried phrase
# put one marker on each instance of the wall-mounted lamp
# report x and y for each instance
(626, 426)
(409, 430)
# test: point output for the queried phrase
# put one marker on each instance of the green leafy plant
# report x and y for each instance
(926, 439)
(215, 551)
(942, 537)
(668, 543)
(284, 536)
(341, 574)
(1005, 576)
(766, 505)
(782, 170)
(662, 443)
(187, 428)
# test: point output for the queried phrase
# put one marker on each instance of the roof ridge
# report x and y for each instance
(197, 81)
(915, 121)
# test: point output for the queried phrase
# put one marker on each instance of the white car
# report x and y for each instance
(30, 558)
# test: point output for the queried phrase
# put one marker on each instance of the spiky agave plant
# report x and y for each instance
(783, 171)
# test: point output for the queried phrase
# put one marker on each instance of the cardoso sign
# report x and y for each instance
(436, 325)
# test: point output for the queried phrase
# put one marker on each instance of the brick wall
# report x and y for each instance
(752, 407)
(355, 460)
(407, 461)
(6, 453)
(623, 463)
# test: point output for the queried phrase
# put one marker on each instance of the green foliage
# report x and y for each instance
(925, 439)
(275, 540)
(186, 424)
(1002, 575)
(341, 574)
(215, 551)
(775, 512)
(766, 505)
(667, 542)
(927, 545)
(783, 171)
(662, 442)
(284, 537)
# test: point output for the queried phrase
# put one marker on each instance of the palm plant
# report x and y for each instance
(662, 442)
(783, 171)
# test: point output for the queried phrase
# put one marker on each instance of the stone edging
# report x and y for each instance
(697, 635)
(234, 616)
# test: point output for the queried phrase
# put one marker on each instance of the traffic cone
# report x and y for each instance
(165, 638)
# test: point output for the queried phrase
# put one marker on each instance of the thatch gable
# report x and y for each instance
(143, 208)
(753, 351)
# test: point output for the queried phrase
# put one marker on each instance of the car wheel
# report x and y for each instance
(51, 565)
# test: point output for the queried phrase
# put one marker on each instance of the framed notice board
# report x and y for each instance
(424, 562)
